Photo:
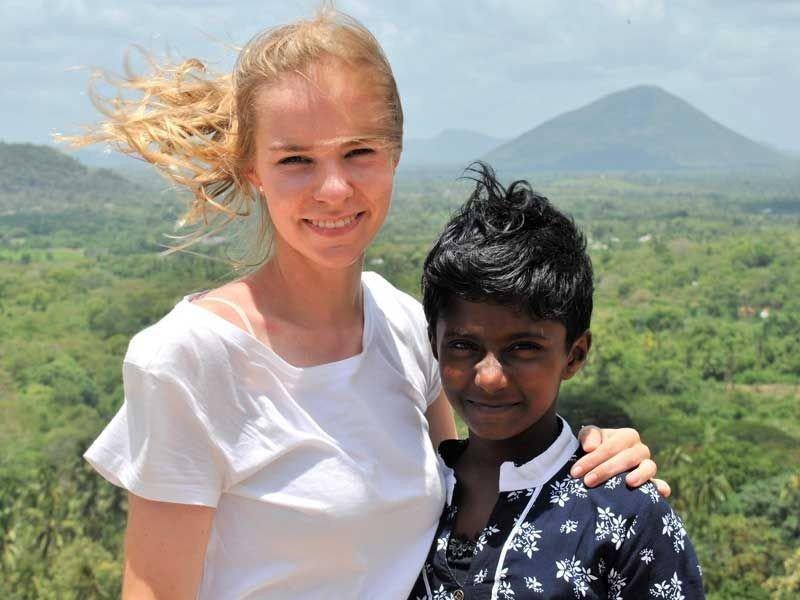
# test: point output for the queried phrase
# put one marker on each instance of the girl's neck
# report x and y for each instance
(291, 288)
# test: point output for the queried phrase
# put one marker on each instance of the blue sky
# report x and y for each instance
(499, 67)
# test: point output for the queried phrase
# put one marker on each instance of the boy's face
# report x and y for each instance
(501, 370)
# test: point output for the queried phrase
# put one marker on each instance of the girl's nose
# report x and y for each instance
(489, 374)
(333, 185)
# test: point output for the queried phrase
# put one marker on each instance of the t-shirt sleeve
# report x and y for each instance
(158, 446)
(659, 561)
(433, 382)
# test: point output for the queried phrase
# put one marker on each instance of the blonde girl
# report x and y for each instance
(276, 432)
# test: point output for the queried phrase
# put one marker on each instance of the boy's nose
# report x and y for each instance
(489, 374)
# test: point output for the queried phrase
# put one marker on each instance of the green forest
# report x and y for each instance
(696, 325)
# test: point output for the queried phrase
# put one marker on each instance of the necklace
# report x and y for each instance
(458, 557)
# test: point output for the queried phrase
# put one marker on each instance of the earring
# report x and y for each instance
(261, 189)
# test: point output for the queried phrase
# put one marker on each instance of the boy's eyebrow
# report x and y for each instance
(528, 334)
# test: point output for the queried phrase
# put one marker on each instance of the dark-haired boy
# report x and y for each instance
(507, 292)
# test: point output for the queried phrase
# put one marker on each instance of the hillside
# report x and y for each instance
(37, 178)
(450, 147)
(637, 129)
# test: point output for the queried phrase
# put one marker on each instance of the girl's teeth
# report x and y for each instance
(333, 224)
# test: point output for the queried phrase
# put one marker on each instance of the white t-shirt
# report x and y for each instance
(324, 480)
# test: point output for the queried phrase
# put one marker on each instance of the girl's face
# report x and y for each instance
(326, 177)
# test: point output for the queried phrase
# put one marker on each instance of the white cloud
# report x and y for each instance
(498, 66)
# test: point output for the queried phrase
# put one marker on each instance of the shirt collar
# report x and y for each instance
(541, 469)
(534, 473)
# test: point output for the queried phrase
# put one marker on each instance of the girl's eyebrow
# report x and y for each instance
(283, 146)
(287, 147)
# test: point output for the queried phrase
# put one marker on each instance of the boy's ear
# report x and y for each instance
(578, 355)
(432, 340)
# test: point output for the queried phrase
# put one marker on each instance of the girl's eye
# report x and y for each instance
(294, 160)
(359, 152)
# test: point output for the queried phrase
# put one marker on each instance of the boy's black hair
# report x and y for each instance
(510, 247)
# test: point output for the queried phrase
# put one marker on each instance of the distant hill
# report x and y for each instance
(37, 178)
(451, 147)
(641, 128)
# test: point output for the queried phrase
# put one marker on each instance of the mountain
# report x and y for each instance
(641, 128)
(37, 178)
(451, 147)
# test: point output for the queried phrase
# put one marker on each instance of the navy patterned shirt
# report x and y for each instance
(551, 537)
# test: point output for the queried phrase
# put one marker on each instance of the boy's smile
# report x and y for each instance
(501, 370)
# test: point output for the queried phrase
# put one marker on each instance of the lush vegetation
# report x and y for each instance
(697, 322)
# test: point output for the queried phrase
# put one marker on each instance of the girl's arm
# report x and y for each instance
(165, 546)
(441, 423)
(610, 451)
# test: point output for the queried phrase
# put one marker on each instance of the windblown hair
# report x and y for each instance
(198, 128)
(510, 247)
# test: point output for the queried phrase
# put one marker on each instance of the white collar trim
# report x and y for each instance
(533, 473)
(541, 469)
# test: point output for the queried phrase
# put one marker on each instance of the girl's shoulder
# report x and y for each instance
(401, 310)
(188, 339)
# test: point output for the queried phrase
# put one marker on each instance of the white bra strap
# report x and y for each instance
(235, 307)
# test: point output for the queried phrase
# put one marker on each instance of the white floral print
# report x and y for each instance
(647, 555)
(569, 487)
(650, 489)
(616, 583)
(480, 576)
(534, 585)
(505, 590)
(569, 527)
(483, 538)
(441, 543)
(442, 594)
(632, 529)
(613, 482)
(601, 567)
(525, 539)
(570, 570)
(514, 495)
(611, 526)
(670, 589)
(673, 527)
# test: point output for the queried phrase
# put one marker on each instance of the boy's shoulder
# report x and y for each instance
(616, 511)
(562, 489)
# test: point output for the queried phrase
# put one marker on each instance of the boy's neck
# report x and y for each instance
(524, 447)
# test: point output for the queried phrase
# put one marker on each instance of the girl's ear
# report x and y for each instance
(577, 355)
(252, 177)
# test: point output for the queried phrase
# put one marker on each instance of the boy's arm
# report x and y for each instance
(657, 559)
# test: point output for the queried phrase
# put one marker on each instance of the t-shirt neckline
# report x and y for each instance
(338, 368)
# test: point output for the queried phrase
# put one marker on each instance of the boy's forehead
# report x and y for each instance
(488, 318)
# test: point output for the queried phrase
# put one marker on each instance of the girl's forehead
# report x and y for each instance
(330, 108)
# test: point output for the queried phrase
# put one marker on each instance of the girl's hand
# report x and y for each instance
(614, 451)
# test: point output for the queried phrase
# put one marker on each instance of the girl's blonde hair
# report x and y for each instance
(198, 129)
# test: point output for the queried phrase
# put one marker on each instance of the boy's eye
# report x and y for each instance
(294, 160)
(525, 348)
(461, 346)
